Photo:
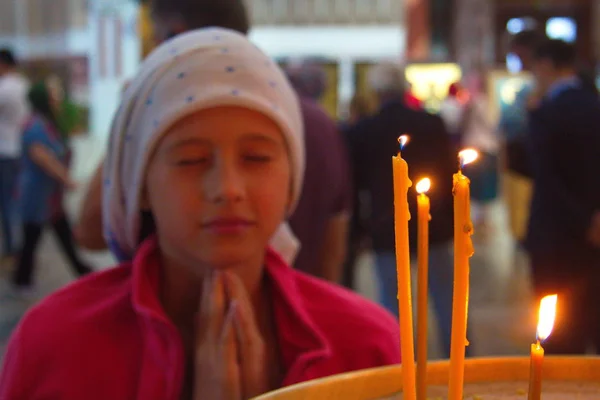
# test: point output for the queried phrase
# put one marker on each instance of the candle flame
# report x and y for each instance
(546, 317)
(423, 186)
(403, 140)
(468, 156)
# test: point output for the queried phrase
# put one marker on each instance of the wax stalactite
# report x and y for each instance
(401, 217)
(463, 250)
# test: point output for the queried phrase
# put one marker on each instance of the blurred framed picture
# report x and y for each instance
(429, 82)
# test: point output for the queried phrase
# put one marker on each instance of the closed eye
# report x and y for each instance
(192, 161)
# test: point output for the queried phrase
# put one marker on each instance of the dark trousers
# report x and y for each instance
(9, 172)
(576, 280)
(31, 237)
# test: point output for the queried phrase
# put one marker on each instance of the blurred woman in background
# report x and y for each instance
(361, 106)
(44, 173)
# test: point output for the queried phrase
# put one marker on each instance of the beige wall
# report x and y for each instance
(42, 17)
(7, 17)
(474, 33)
(326, 12)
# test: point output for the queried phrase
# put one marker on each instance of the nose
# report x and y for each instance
(224, 182)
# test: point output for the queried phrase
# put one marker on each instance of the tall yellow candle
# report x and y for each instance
(401, 217)
(423, 218)
(545, 326)
(463, 250)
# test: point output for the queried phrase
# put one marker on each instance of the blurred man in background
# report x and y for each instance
(563, 235)
(373, 142)
(514, 126)
(322, 217)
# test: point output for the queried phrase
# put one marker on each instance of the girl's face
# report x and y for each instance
(218, 186)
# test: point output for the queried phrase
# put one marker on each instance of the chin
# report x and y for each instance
(228, 257)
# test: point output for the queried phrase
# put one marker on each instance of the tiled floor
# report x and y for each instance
(501, 314)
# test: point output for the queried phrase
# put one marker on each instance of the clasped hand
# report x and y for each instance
(229, 349)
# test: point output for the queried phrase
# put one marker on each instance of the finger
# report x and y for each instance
(218, 307)
(216, 371)
(228, 354)
(203, 315)
(252, 358)
(212, 309)
(228, 332)
(245, 316)
(251, 346)
(237, 292)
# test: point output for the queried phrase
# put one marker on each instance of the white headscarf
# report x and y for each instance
(198, 70)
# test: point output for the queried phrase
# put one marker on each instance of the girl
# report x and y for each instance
(43, 173)
(205, 161)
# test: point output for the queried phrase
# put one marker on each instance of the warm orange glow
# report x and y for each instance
(546, 317)
(403, 140)
(423, 186)
(468, 156)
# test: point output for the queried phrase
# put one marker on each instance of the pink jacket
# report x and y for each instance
(106, 336)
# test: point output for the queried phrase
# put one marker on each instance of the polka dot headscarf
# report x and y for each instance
(194, 71)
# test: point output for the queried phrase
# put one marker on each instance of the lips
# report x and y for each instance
(228, 226)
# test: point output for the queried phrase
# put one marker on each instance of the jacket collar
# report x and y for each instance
(558, 87)
(301, 341)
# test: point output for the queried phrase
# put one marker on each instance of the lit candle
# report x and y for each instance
(423, 218)
(401, 218)
(545, 325)
(463, 250)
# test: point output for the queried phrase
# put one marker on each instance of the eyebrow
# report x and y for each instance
(252, 138)
(257, 137)
(187, 141)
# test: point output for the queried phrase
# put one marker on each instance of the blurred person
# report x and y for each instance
(564, 224)
(66, 124)
(13, 112)
(480, 133)
(523, 45)
(513, 125)
(308, 78)
(321, 230)
(43, 172)
(373, 142)
(587, 76)
(361, 107)
(410, 99)
(205, 309)
(451, 112)
(321, 219)
(173, 17)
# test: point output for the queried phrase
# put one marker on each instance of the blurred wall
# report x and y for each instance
(107, 33)
(473, 44)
